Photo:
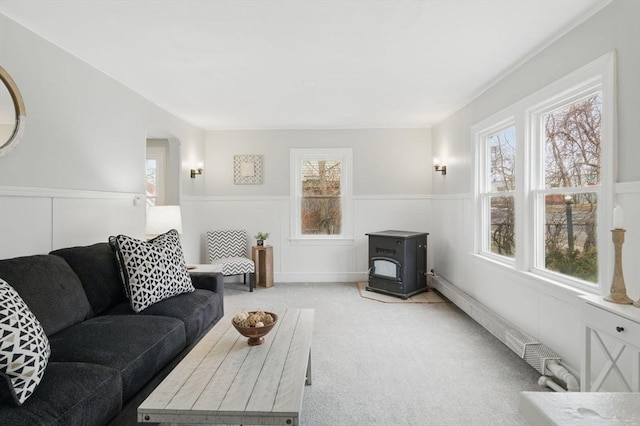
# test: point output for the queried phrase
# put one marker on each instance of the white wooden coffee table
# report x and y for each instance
(223, 380)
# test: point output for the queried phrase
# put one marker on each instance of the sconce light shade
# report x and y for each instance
(195, 172)
(161, 219)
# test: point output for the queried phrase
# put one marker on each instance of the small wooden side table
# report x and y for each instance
(263, 258)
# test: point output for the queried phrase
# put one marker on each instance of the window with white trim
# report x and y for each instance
(567, 140)
(544, 179)
(321, 193)
(497, 189)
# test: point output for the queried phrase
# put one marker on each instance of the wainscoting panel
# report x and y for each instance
(448, 240)
(547, 311)
(84, 221)
(38, 220)
(294, 261)
(202, 214)
(403, 213)
(628, 196)
(25, 226)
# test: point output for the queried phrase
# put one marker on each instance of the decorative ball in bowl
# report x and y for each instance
(254, 325)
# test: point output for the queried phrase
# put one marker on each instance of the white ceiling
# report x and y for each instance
(303, 64)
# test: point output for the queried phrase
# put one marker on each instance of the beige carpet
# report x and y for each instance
(430, 296)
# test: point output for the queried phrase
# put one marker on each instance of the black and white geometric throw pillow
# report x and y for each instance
(24, 347)
(120, 264)
(153, 270)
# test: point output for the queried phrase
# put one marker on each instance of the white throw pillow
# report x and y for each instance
(24, 347)
(153, 270)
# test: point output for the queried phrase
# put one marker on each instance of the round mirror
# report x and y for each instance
(12, 113)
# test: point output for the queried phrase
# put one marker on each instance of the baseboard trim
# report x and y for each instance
(317, 277)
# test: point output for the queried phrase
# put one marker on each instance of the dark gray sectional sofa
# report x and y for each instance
(102, 353)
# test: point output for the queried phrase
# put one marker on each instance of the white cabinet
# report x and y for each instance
(620, 322)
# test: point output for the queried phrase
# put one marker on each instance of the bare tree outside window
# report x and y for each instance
(572, 160)
(321, 212)
(502, 155)
(544, 178)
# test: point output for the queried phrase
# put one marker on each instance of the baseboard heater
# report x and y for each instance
(544, 360)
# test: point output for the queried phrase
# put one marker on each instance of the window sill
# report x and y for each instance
(540, 282)
(321, 241)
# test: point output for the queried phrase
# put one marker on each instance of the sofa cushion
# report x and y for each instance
(97, 269)
(74, 394)
(24, 348)
(153, 270)
(50, 288)
(197, 310)
(137, 346)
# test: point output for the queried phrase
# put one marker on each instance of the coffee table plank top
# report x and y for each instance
(224, 380)
(266, 388)
(193, 373)
(193, 381)
(296, 366)
(243, 380)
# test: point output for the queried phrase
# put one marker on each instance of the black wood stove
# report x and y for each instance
(398, 263)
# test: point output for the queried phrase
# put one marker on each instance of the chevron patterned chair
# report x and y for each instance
(228, 250)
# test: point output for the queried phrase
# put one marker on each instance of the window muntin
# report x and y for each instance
(321, 193)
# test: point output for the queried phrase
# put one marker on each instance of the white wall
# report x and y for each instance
(547, 311)
(74, 176)
(385, 161)
(392, 177)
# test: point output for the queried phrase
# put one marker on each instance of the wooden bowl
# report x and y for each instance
(256, 334)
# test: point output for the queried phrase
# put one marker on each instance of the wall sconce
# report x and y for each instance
(438, 168)
(196, 172)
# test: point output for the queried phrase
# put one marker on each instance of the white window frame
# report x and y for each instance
(345, 155)
(599, 75)
(529, 210)
(484, 192)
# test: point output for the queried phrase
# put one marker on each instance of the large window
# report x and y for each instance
(568, 137)
(321, 193)
(544, 179)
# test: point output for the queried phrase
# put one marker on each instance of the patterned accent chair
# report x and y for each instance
(228, 250)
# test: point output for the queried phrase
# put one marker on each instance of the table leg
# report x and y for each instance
(585, 374)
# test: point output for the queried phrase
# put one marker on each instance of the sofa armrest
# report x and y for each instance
(213, 281)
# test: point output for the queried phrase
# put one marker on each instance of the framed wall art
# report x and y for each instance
(247, 169)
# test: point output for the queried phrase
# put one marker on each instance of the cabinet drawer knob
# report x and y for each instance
(619, 329)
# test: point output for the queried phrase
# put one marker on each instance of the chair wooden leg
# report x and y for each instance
(251, 280)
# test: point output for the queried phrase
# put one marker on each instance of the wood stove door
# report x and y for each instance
(385, 268)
